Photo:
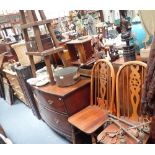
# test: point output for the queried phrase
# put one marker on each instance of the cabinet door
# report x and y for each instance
(50, 101)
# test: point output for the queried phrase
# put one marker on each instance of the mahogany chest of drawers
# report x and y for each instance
(56, 104)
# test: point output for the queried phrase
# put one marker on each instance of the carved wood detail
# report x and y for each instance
(103, 85)
(135, 87)
(129, 87)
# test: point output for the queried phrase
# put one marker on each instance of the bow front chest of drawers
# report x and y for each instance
(56, 104)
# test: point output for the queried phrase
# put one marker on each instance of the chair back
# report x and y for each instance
(103, 85)
(129, 86)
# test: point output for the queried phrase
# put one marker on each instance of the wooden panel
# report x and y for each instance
(56, 120)
(135, 87)
(82, 97)
(24, 73)
(72, 52)
(81, 52)
(89, 119)
(63, 91)
(50, 101)
(88, 48)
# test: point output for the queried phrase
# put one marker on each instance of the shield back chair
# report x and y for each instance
(129, 86)
(102, 93)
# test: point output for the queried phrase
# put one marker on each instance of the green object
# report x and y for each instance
(117, 22)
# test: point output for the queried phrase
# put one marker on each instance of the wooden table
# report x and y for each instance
(56, 104)
(80, 49)
(117, 63)
(121, 61)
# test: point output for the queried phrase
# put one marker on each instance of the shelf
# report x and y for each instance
(36, 23)
(46, 52)
(89, 62)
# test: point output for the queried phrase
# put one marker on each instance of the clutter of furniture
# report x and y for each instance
(82, 88)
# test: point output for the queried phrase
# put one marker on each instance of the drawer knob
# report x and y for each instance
(56, 121)
(50, 102)
(60, 99)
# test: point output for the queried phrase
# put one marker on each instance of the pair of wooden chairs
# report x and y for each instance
(129, 82)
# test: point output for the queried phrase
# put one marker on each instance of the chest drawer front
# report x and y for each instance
(57, 121)
(50, 101)
(78, 100)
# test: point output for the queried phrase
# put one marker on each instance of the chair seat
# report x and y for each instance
(89, 119)
(104, 138)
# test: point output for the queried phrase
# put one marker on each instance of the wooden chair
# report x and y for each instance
(129, 86)
(102, 98)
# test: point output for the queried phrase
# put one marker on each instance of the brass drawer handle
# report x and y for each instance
(60, 99)
(56, 121)
(50, 102)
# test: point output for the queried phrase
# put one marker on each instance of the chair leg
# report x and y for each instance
(93, 139)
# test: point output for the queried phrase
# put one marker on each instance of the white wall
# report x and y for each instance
(56, 13)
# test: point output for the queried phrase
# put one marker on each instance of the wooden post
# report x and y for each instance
(101, 15)
(32, 65)
(49, 69)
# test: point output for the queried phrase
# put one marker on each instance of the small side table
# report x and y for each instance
(81, 48)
